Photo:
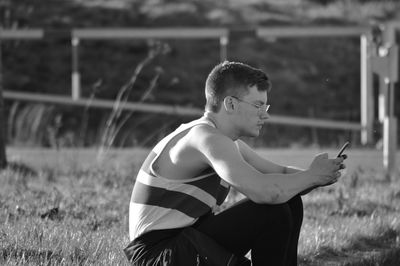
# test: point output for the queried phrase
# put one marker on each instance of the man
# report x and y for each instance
(190, 171)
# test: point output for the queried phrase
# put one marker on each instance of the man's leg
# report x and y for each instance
(267, 230)
(296, 207)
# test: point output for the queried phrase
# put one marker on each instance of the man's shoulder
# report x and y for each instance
(204, 136)
(201, 131)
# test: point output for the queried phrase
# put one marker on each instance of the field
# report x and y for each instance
(64, 208)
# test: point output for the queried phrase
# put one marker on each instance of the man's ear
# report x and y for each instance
(229, 104)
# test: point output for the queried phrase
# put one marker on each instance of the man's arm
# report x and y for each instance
(223, 155)
(266, 166)
(261, 164)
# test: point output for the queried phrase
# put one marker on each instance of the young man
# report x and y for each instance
(190, 171)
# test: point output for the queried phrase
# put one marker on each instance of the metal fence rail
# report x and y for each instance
(172, 110)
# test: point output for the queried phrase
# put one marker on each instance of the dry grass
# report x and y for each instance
(71, 213)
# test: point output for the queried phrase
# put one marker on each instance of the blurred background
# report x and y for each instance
(313, 77)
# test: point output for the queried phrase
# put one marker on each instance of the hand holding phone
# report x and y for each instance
(343, 148)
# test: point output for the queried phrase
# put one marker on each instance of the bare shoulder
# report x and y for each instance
(215, 147)
(203, 136)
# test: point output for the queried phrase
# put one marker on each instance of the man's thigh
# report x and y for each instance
(237, 227)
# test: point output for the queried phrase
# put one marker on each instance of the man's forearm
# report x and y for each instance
(292, 170)
(289, 185)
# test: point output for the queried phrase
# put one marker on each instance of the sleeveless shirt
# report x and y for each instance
(161, 203)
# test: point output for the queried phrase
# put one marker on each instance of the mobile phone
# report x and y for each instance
(343, 148)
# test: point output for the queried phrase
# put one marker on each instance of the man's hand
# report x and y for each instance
(325, 170)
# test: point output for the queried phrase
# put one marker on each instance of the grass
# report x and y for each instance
(354, 223)
(75, 213)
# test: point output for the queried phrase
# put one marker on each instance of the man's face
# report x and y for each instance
(251, 113)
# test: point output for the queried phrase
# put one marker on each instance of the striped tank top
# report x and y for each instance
(161, 203)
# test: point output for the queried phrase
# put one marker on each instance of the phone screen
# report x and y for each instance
(343, 148)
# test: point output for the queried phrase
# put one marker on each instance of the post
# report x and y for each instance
(390, 121)
(3, 158)
(385, 64)
(383, 67)
(5, 22)
(223, 41)
(390, 147)
(367, 102)
(75, 85)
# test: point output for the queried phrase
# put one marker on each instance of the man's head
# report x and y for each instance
(232, 79)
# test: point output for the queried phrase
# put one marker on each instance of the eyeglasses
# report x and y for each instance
(260, 107)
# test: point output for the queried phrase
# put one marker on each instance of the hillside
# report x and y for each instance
(311, 76)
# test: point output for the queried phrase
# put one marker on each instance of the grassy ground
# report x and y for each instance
(73, 211)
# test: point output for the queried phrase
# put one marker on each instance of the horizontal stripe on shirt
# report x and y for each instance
(162, 197)
(186, 188)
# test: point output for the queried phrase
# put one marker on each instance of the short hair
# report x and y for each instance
(232, 79)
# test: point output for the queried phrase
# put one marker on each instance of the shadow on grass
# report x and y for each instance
(11, 254)
(22, 168)
(383, 250)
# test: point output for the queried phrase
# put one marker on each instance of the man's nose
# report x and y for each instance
(265, 115)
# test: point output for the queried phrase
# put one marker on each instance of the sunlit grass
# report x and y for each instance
(64, 217)
(77, 214)
(355, 222)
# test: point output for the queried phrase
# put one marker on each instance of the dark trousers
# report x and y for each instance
(269, 232)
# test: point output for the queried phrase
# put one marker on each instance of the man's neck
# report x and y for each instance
(222, 124)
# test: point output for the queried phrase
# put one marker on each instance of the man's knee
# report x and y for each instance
(296, 208)
(282, 217)
(296, 203)
(275, 216)
(277, 225)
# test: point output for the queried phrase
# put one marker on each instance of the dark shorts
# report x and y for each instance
(180, 247)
